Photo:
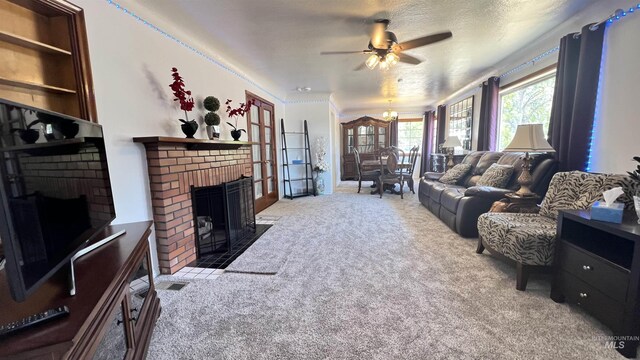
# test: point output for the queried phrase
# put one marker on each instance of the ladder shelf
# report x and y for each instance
(308, 187)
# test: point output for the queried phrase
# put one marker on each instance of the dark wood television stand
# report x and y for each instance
(112, 315)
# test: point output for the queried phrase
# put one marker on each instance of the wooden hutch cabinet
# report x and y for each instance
(366, 134)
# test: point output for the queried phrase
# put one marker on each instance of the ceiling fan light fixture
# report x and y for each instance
(372, 61)
(391, 59)
(384, 65)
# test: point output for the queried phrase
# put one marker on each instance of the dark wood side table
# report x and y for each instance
(439, 161)
(513, 203)
(597, 267)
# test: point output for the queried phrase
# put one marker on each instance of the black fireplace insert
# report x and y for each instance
(225, 221)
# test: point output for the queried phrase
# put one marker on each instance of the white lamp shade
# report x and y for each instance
(529, 138)
(451, 142)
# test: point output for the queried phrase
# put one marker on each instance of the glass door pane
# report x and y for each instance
(349, 141)
(114, 344)
(381, 137)
(139, 285)
(268, 152)
(256, 149)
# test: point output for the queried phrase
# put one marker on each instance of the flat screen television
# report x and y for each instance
(56, 194)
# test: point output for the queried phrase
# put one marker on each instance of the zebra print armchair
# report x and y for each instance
(529, 239)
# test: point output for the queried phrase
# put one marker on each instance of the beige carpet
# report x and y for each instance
(358, 277)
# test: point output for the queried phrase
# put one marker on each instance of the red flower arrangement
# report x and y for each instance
(239, 111)
(182, 95)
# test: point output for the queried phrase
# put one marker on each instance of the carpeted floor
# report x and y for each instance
(358, 277)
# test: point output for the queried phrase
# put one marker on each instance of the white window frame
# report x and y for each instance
(421, 136)
(513, 87)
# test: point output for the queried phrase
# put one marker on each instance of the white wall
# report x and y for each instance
(336, 145)
(131, 70)
(617, 126)
(316, 109)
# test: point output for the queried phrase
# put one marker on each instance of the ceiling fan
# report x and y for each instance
(385, 50)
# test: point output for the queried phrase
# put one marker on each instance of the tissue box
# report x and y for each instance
(600, 211)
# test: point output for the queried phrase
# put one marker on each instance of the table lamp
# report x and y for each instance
(450, 143)
(528, 138)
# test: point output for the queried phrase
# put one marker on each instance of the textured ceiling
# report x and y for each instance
(281, 40)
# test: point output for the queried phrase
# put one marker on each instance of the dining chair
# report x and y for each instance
(411, 165)
(364, 175)
(390, 172)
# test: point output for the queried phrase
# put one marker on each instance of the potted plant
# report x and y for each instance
(189, 127)
(211, 118)
(235, 113)
(28, 135)
(635, 175)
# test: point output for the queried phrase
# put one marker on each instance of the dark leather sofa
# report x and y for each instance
(460, 205)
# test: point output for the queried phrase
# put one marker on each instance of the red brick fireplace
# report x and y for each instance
(176, 164)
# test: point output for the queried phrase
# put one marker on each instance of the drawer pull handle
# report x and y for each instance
(583, 295)
(586, 267)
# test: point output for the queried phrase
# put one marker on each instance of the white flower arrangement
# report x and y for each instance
(321, 167)
(321, 152)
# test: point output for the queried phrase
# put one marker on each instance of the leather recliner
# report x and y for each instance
(460, 205)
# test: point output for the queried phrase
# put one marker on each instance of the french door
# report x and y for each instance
(262, 132)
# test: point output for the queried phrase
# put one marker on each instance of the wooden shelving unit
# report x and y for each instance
(31, 44)
(45, 57)
(35, 86)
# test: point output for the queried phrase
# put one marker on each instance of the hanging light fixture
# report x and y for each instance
(384, 65)
(384, 62)
(372, 61)
(391, 59)
(390, 115)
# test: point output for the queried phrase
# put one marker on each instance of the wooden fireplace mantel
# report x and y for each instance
(194, 144)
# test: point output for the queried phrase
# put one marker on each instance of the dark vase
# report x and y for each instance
(29, 136)
(69, 129)
(190, 128)
(235, 134)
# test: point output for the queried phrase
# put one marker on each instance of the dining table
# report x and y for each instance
(368, 165)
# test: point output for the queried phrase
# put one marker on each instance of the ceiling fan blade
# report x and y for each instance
(409, 59)
(344, 52)
(360, 67)
(425, 40)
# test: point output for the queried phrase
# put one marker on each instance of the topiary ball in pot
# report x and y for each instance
(212, 119)
(211, 103)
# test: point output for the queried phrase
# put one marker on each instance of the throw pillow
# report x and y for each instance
(496, 176)
(454, 174)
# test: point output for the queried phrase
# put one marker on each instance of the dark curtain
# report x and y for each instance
(488, 124)
(574, 99)
(393, 133)
(427, 137)
(442, 117)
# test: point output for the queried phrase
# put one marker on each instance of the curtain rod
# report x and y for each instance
(593, 27)
(615, 15)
